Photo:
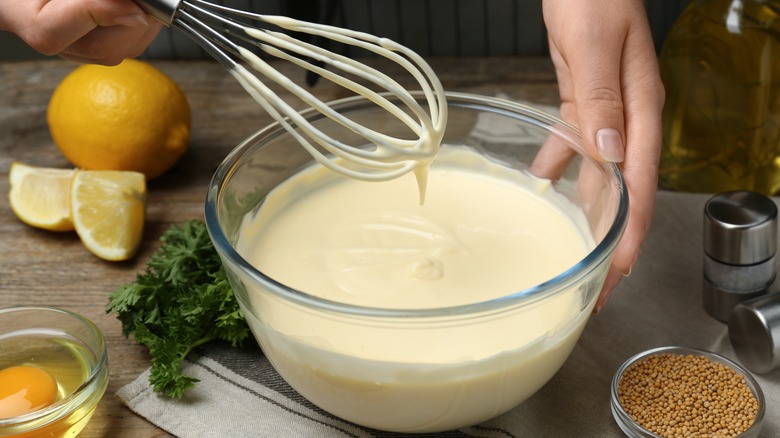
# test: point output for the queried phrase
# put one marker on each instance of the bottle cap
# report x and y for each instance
(740, 227)
(754, 331)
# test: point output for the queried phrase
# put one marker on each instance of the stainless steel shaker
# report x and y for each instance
(740, 242)
(754, 332)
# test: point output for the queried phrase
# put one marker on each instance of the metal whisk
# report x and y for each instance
(227, 35)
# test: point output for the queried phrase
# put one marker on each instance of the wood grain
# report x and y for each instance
(54, 269)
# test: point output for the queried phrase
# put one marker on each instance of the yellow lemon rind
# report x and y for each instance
(127, 117)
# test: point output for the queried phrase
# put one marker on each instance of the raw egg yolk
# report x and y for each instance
(24, 389)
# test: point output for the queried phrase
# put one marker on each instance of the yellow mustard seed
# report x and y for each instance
(678, 395)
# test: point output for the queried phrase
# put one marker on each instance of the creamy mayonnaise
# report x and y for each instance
(480, 235)
(484, 232)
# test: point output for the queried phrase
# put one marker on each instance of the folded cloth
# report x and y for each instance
(240, 395)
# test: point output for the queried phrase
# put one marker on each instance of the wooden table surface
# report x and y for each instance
(44, 268)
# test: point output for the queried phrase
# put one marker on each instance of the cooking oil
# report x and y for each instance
(68, 361)
(721, 68)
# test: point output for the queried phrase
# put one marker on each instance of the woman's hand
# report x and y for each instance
(611, 89)
(87, 31)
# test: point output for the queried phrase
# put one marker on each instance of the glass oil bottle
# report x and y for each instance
(720, 65)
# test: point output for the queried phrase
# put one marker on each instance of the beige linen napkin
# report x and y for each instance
(240, 395)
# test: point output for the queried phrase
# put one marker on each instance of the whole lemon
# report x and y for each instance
(128, 117)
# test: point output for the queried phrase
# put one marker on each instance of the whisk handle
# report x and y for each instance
(162, 10)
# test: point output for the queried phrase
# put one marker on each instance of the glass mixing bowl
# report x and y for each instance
(519, 349)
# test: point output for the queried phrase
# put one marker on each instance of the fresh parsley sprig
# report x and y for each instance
(180, 301)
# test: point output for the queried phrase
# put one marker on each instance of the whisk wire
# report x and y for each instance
(312, 51)
(394, 170)
(370, 94)
(332, 145)
(384, 157)
(212, 44)
(380, 46)
(351, 155)
(347, 65)
(369, 42)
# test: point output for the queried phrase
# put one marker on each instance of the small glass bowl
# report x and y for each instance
(632, 429)
(68, 346)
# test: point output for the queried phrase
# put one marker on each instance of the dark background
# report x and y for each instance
(430, 27)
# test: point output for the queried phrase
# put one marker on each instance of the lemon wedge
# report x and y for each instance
(40, 196)
(108, 209)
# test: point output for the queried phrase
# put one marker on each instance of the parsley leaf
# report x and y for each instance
(180, 301)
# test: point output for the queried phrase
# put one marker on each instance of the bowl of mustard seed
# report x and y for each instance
(671, 392)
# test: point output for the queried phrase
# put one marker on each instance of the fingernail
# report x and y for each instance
(600, 305)
(631, 266)
(134, 20)
(610, 145)
(601, 301)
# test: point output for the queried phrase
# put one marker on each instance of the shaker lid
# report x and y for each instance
(740, 227)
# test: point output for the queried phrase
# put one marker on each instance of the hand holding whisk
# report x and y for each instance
(222, 32)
